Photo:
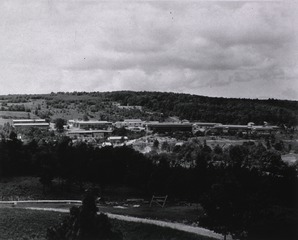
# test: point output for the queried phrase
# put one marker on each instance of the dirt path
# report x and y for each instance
(176, 226)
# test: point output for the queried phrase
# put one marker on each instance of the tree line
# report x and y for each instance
(212, 109)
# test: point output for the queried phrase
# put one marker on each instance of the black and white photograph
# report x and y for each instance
(148, 120)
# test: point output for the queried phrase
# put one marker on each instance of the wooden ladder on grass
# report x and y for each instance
(159, 200)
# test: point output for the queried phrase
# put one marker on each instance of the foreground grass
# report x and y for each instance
(21, 224)
(137, 231)
(17, 224)
(29, 188)
(182, 214)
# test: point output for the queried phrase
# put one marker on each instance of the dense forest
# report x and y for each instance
(157, 106)
(210, 109)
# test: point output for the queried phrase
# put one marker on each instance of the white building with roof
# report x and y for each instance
(129, 123)
(117, 140)
(29, 123)
(90, 125)
(87, 134)
(203, 126)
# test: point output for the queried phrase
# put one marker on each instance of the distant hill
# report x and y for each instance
(156, 106)
(211, 109)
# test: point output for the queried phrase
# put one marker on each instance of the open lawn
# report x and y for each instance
(26, 224)
(182, 214)
(17, 224)
(29, 188)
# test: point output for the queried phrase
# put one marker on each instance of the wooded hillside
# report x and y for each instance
(222, 110)
(158, 106)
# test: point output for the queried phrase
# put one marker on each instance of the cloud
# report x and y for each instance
(208, 48)
(290, 93)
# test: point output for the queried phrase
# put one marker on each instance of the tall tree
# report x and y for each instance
(59, 124)
(84, 224)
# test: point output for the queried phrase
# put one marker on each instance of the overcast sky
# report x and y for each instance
(229, 49)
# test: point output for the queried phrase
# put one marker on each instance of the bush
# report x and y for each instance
(84, 224)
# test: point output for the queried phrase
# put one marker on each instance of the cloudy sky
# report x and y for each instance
(230, 49)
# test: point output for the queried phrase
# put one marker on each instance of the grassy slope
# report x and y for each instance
(29, 188)
(26, 224)
(182, 214)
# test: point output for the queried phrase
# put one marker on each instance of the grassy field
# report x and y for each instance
(16, 114)
(181, 214)
(21, 224)
(26, 224)
(29, 188)
(67, 107)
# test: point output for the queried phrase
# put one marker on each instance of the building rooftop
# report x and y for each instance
(118, 138)
(89, 131)
(28, 120)
(133, 120)
(231, 126)
(91, 122)
(264, 127)
(169, 124)
(31, 124)
(205, 123)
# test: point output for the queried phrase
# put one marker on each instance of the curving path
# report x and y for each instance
(176, 226)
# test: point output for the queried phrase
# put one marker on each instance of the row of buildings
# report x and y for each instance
(103, 129)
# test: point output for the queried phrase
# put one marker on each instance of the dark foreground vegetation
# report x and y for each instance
(245, 190)
(84, 223)
(20, 224)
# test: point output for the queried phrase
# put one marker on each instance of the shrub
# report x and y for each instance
(84, 224)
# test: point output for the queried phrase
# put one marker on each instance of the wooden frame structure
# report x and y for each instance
(159, 200)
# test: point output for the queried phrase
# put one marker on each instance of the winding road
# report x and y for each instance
(176, 226)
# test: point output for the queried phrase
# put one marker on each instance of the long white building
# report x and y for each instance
(92, 124)
(127, 123)
(27, 123)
